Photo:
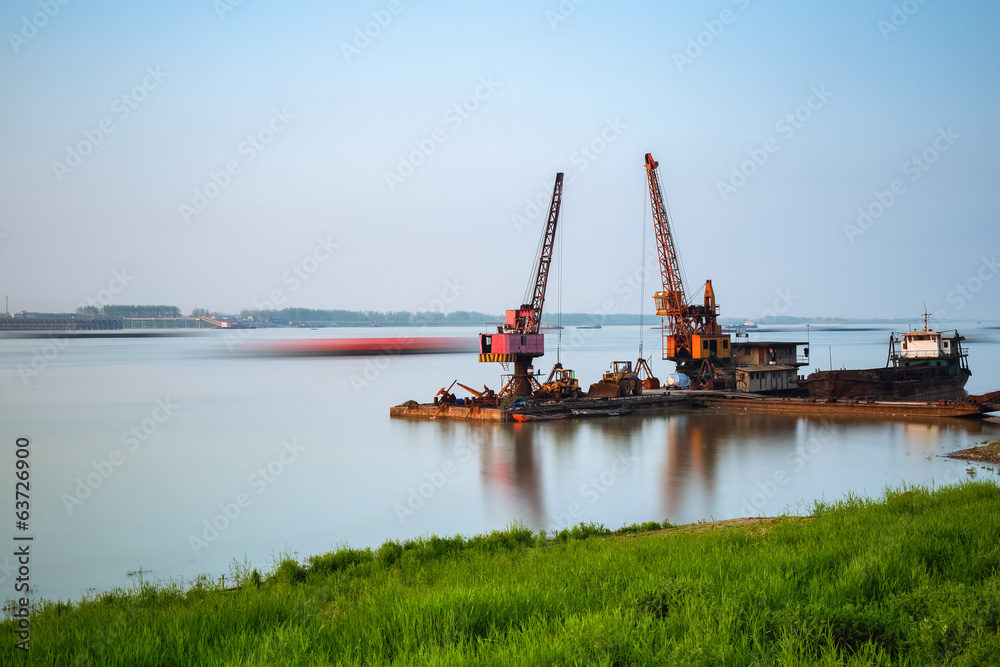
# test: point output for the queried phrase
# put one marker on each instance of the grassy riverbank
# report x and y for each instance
(911, 579)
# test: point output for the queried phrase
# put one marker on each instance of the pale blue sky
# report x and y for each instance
(338, 124)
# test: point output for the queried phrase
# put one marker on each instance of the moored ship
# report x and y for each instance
(922, 366)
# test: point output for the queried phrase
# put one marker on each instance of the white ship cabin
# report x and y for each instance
(924, 345)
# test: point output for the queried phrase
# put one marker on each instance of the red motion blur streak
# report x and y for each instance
(342, 347)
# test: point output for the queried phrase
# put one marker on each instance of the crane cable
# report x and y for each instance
(559, 290)
(642, 269)
(673, 231)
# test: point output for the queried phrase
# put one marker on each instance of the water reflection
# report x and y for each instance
(698, 464)
(526, 472)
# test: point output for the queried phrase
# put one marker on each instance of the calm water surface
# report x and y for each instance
(299, 455)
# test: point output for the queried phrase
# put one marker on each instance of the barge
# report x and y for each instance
(661, 400)
(922, 366)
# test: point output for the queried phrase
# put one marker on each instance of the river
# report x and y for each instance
(173, 456)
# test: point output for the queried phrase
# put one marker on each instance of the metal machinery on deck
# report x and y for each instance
(692, 337)
(621, 380)
(519, 341)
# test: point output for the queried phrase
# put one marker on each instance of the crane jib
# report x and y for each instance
(544, 260)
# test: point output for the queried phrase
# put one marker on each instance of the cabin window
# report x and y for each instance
(725, 344)
(704, 344)
(946, 344)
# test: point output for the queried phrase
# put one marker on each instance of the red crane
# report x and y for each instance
(692, 337)
(519, 340)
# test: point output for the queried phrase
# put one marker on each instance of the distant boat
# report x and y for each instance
(552, 327)
(750, 324)
(589, 326)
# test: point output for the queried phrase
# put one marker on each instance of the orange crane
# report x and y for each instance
(519, 340)
(692, 337)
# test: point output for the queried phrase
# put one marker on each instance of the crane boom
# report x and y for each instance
(671, 302)
(544, 260)
(692, 337)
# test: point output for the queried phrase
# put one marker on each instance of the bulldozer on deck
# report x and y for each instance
(621, 380)
(562, 383)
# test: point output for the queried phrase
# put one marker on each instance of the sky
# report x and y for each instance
(818, 159)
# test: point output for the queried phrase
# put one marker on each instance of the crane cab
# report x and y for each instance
(504, 347)
(664, 302)
(702, 347)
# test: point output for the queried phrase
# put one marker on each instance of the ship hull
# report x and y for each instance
(890, 384)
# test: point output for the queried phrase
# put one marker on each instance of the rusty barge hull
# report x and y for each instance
(889, 384)
(659, 402)
(814, 407)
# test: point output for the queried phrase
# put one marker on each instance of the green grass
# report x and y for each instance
(909, 579)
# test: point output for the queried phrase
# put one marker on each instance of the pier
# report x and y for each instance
(662, 400)
(651, 400)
